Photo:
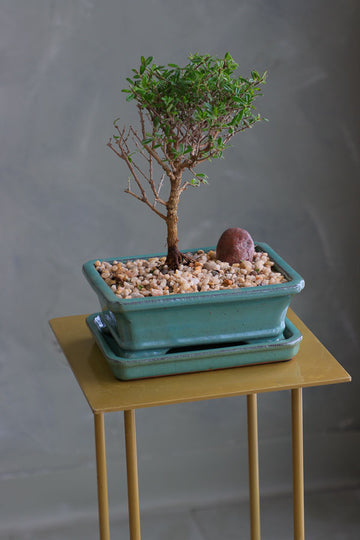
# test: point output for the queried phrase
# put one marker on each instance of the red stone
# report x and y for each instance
(235, 245)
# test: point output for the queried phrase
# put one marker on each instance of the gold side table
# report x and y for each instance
(312, 366)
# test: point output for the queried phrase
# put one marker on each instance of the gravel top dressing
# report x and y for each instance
(140, 278)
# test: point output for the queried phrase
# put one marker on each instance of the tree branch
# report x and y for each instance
(157, 158)
(147, 202)
(132, 166)
(123, 155)
(142, 122)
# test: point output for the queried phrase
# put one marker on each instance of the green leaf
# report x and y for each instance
(203, 177)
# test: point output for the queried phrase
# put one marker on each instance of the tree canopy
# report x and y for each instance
(187, 115)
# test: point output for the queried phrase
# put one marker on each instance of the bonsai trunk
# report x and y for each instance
(174, 257)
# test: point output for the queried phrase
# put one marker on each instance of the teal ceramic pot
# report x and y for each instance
(153, 325)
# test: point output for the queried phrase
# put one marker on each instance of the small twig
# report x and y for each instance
(161, 183)
(184, 187)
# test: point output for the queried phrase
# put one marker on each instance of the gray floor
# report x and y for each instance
(329, 516)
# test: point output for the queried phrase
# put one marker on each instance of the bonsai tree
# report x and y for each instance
(187, 115)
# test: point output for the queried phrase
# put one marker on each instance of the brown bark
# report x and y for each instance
(174, 256)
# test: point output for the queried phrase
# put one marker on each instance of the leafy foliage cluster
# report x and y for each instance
(197, 109)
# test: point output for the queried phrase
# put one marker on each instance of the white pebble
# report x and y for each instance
(140, 278)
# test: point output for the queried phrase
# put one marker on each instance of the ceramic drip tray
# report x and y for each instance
(193, 358)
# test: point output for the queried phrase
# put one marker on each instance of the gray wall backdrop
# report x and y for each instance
(292, 182)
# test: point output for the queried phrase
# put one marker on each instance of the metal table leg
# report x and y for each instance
(253, 451)
(132, 475)
(298, 463)
(103, 503)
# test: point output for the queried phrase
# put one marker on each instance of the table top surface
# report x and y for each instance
(312, 366)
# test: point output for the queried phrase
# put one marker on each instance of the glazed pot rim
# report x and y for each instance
(293, 286)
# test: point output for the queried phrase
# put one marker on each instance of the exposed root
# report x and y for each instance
(175, 258)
